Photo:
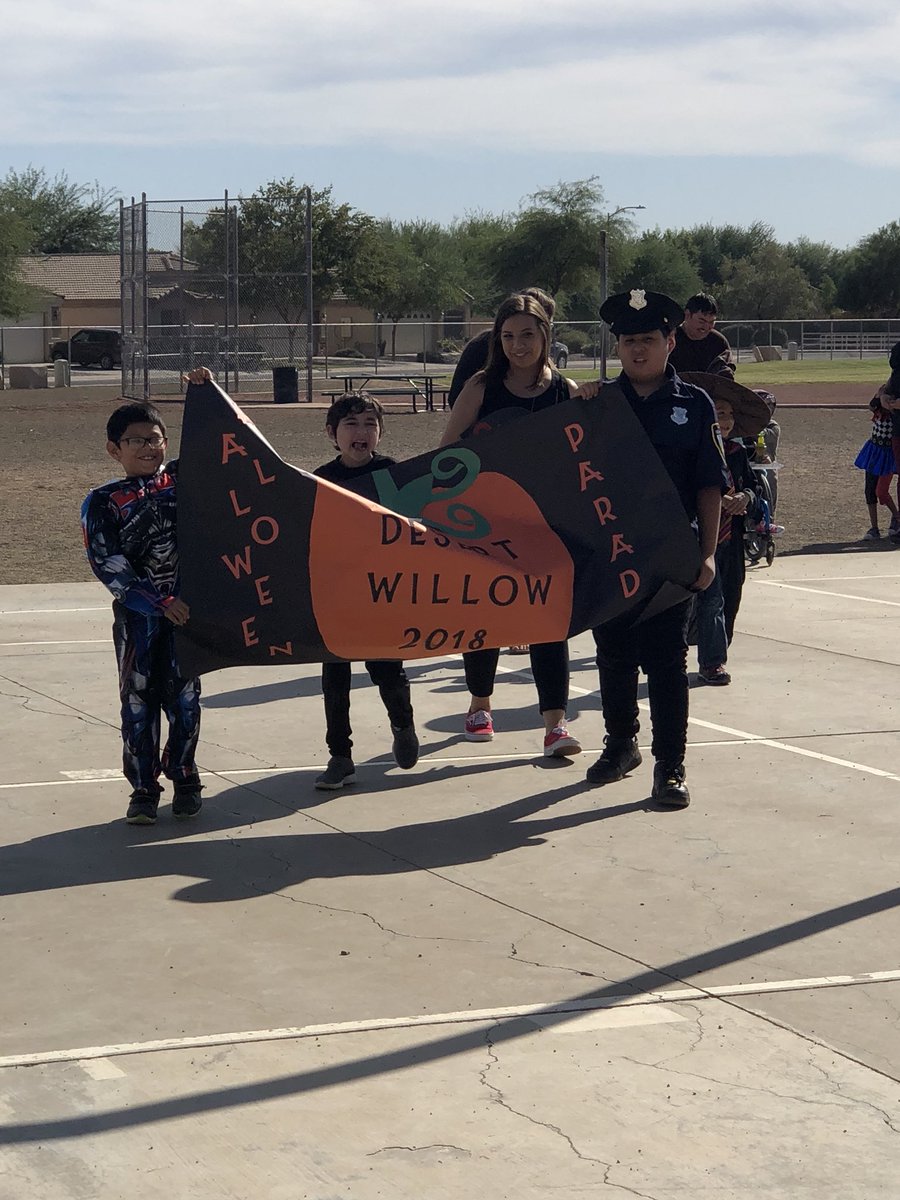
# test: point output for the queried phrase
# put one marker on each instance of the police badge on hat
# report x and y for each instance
(640, 311)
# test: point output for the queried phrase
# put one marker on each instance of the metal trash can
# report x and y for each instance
(793, 351)
(284, 385)
(62, 373)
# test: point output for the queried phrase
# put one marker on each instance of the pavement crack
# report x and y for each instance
(528, 962)
(355, 912)
(498, 1098)
(420, 1149)
(838, 1087)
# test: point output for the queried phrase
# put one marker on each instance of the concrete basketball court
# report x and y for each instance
(479, 977)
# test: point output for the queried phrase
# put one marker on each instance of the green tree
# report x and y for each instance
(824, 267)
(554, 241)
(414, 270)
(871, 283)
(659, 262)
(474, 241)
(712, 246)
(766, 284)
(14, 295)
(272, 260)
(61, 217)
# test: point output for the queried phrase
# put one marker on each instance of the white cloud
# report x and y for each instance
(751, 78)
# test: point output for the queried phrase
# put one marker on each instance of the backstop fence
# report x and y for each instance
(203, 284)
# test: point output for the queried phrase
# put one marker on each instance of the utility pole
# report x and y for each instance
(604, 272)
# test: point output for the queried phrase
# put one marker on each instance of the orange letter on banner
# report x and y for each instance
(235, 504)
(587, 473)
(619, 546)
(630, 581)
(603, 508)
(257, 536)
(250, 638)
(238, 566)
(575, 435)
(287, 648)
(230, 446)
(265, 596)
(259, 473)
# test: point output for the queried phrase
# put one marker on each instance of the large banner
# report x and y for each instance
(533, 531)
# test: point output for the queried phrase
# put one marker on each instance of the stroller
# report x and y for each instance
(759, 540)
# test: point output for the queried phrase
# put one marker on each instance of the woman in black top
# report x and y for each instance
(517, 375)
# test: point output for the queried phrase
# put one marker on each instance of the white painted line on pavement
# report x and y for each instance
(795, 587)
(742, 737)
(101, 1069)
(74, 642)
(27, 612)
(466, 1017)
(825, 578)
(113, 775)
(93, 776)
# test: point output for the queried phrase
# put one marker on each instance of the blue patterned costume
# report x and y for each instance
(129, 538)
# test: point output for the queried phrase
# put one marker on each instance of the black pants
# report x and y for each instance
(549, 665)
(659, 647)
(388, 676)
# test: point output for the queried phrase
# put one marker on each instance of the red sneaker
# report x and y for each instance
(479, 726)
(559, 743)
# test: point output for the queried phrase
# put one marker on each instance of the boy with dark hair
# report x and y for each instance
(129, 538)
(680, 422)
(699, 346)
(355, 423)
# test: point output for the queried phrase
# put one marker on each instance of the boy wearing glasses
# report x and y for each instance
(129, 538)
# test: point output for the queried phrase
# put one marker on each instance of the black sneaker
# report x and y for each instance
(617, 759)
(406, 746)
(142, 809)
(338, 772)
(714, 676)
(669, 787)
(186, 802)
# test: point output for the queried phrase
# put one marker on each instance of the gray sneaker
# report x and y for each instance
(406, 746)
(339, 772)
(871, 535)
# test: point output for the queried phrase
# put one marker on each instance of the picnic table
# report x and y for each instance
(417, 386)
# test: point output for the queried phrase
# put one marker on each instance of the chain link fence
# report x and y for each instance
(201, 286)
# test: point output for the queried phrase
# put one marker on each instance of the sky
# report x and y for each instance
(784, 112)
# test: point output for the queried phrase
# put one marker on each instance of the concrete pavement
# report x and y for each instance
(477, 975)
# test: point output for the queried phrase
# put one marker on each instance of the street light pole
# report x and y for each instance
(604, 272)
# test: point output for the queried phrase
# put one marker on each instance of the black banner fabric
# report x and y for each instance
(535, 530)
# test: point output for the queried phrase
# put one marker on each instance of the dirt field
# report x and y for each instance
(53, 451)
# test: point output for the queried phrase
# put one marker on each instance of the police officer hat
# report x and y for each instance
(751, 412)
(639, 311)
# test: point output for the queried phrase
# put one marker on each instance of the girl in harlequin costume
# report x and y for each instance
(876, 458)
(517, 375)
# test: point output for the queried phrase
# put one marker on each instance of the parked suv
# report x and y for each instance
(90, 347)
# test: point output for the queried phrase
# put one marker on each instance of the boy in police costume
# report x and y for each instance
(680, 421)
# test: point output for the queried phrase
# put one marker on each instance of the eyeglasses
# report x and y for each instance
(137, 443)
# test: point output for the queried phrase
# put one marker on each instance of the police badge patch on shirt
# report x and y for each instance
(679, 415)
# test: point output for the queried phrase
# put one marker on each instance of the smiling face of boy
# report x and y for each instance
(140, 450)
(356, 437)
